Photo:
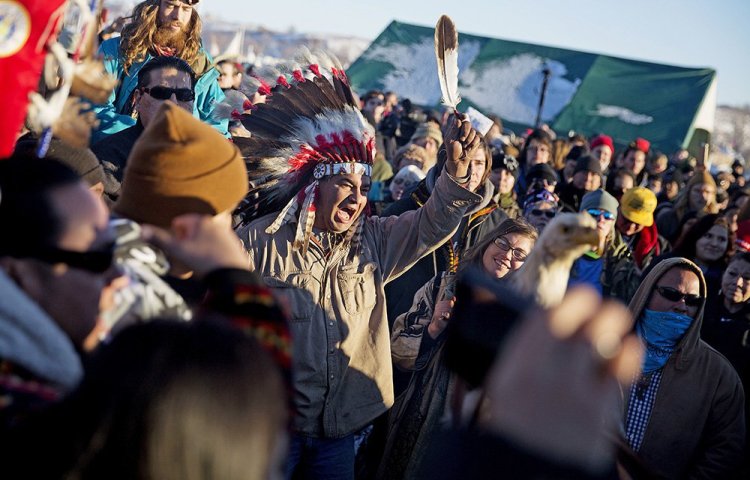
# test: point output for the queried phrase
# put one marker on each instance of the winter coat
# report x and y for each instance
(115, 114)
(697, 427)
(423, 408)
(729, 333)
(481, 219)
(113, 152)
(342, 355)
(38, 361)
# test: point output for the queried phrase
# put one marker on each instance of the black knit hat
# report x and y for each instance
(587, 163)
(507, 162)
(541, 171)
(80, 160)
(576, 152)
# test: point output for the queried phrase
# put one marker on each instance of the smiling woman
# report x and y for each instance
(417, 345)
(709, 244)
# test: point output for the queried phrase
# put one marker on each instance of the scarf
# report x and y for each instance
(660, 332)
(647, 241)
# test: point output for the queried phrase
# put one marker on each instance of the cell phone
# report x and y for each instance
(486, 311)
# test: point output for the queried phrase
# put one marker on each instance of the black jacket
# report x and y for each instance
(113, 153)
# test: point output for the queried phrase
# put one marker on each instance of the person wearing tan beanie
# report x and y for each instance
(179, 171)
(180, 165)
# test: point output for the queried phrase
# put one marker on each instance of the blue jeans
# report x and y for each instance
(320, 458)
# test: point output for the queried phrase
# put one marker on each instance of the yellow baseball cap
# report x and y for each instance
(638, 205)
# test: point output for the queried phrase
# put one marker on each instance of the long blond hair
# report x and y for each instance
(138, 35)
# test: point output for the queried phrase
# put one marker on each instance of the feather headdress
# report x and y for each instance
(446, 54)
(309, 127)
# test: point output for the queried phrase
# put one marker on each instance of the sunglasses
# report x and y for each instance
(674, 295)
(596, 213)
(548, 213)
(517, 253)
(165, 93)
(94, 261)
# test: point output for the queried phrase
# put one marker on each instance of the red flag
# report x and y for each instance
(26, 27)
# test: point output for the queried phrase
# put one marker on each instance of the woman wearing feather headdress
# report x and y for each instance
(307, 233)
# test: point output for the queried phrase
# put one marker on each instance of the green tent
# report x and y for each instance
(670, 106)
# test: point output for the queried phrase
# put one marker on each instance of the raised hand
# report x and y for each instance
(461, 141)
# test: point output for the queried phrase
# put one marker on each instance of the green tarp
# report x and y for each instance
(588, 93)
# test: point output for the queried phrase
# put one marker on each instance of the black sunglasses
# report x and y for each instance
(548, 213)
(94, 261)
(674, 295)
(165, 93)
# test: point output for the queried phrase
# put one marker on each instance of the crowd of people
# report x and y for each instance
(259, 274)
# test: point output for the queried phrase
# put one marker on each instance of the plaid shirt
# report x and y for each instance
(642, 397)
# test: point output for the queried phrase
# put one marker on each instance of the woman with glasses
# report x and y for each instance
(417, 345)
(609, 268)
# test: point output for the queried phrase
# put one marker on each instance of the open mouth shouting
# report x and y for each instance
(346, 214)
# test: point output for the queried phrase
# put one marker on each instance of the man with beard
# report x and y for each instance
(157, 28)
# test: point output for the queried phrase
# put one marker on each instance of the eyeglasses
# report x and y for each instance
(548, 213)
(503, 245)
(596, 213)
(94, 261)
(165, 93)
(674, 295)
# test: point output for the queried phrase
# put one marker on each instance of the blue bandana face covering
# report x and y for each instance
(660, 331)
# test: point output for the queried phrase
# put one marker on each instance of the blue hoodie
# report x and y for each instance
(114, 115)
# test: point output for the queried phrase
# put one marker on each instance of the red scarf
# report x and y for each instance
(648, 240)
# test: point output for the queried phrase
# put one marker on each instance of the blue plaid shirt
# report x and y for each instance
(642, 397)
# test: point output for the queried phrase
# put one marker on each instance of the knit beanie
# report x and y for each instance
(576, 152)
(601, 200)
(603, 140)
(542, 171)
(641, 144)
(411, 152)
(80, 160)
(428, 130)
(587, 163)
(180, 165)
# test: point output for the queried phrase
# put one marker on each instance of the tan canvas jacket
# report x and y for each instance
(341, 344)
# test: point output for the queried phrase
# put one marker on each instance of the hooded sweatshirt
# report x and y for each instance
(696, 426)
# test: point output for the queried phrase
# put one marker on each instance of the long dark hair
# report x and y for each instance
(473, 256)
(685, 246)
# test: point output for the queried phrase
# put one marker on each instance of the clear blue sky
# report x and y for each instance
(690, 33)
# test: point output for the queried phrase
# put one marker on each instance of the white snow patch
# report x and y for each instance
(414, 72)
(621, 113)
(511, 87)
